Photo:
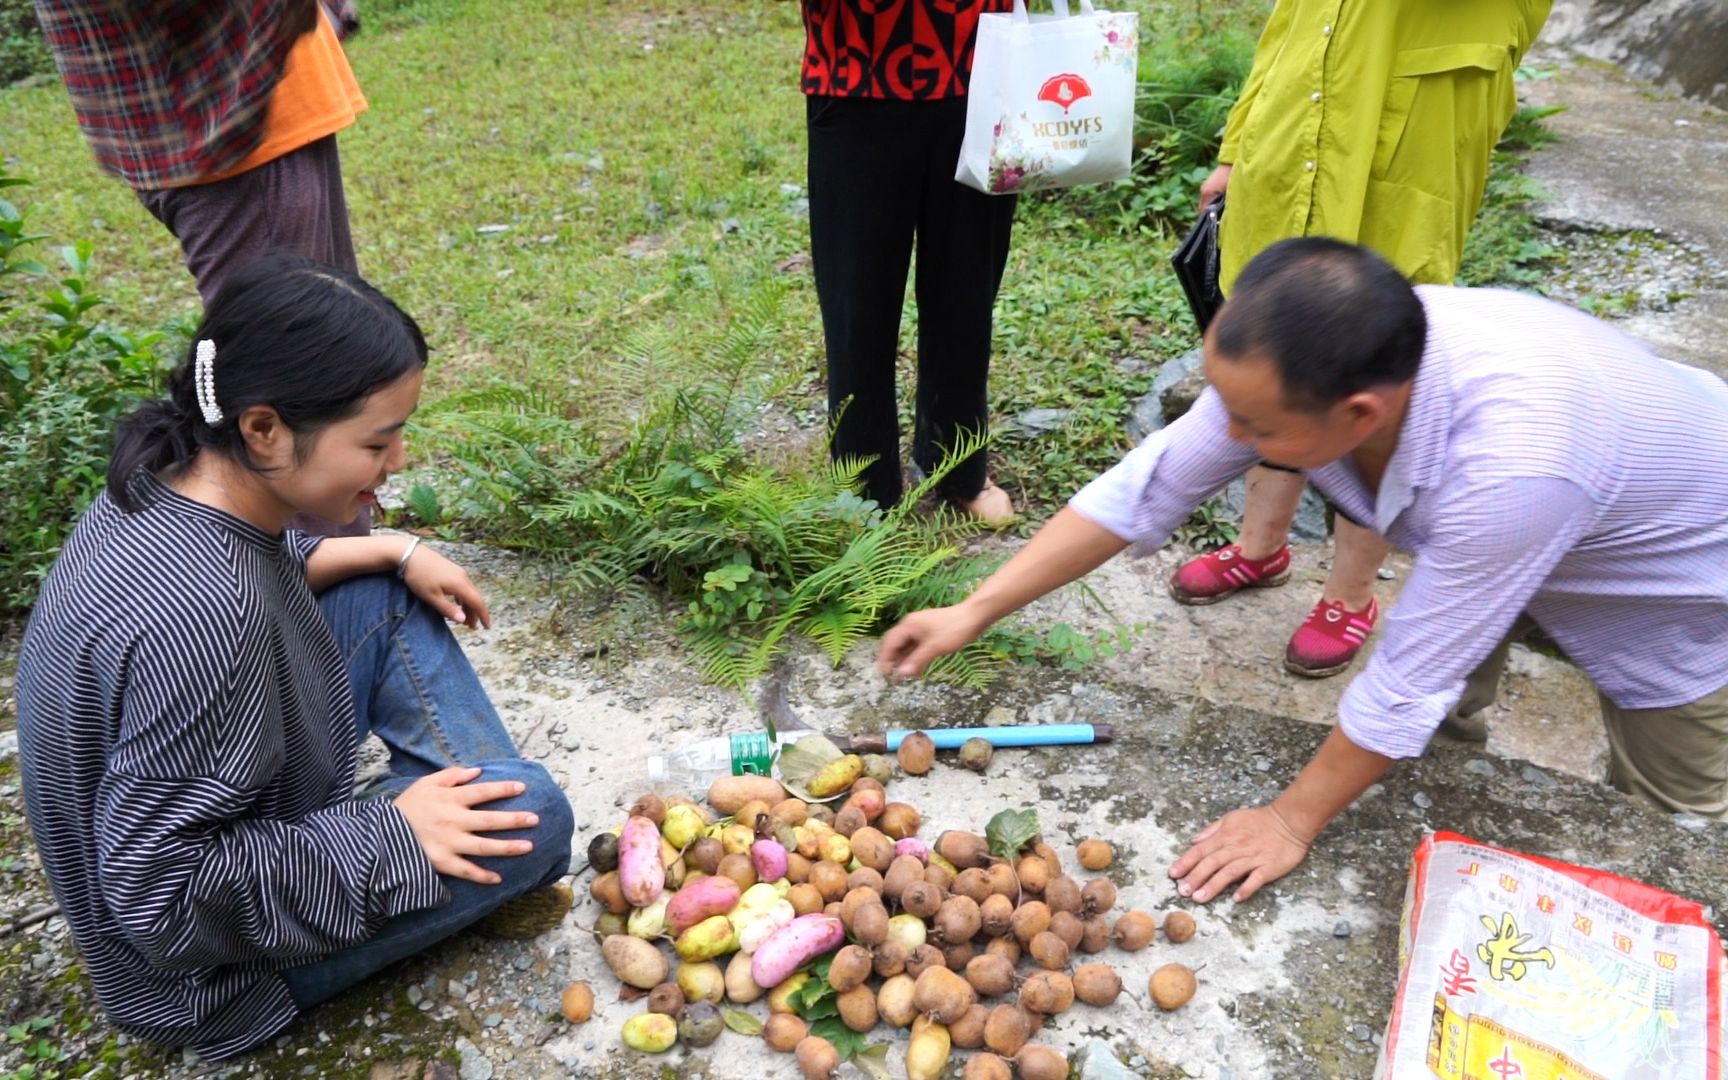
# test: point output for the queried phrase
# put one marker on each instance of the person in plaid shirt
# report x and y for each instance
(223, 118)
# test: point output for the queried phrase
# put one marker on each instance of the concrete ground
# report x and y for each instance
(1294, 983)
(1631, 159)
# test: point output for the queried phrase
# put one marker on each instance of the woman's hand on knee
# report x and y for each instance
(440, 808)
(446, 587)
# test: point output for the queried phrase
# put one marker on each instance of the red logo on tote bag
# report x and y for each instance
(1064, 90)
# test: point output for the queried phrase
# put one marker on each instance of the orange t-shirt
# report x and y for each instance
(317, 96)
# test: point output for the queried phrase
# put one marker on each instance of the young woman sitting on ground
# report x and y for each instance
(196, 681)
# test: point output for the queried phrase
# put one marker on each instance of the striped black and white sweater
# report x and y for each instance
(189, 745)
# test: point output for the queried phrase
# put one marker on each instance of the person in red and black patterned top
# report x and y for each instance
(886, 110)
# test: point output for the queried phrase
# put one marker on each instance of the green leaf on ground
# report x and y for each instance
(741, 1022)
(1010, 831)
(847, 1042)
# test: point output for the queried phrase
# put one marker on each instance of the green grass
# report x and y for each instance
(546, 191)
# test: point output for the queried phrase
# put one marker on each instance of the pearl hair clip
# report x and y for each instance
(204, 381)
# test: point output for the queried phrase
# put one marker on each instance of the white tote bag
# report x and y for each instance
(1051, 102)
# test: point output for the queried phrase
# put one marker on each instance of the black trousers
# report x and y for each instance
(881, 175)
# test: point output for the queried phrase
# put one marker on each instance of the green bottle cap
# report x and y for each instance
(752, 754)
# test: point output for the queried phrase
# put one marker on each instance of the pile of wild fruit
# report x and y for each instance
(846, 919)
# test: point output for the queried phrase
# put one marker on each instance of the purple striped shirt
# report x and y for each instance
(1547, 462)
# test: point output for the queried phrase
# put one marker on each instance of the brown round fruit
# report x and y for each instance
(974, 883)
(942, 995)
(990, 975)
(706, 854)
(1037, 1062)
(1006, 947)
(1098, 896)
(850, 967)
(666, 998)
(923, 957)
(1172, 986)
(1007, 1029)
(1033, 872)
(1049, 951)
(939, 876)
(1063, 894)
(1178, 927)
(903, 871)
(968, 1032)
(1134, 930)
(1030, 919)
(921, 899)
(899, 820)
(805, 899)
(865, 878)
(1048, 992)
(1097, 984)
(578, 1002)
(987, 1067)
(858, 1008)
(1095, 934)
(870, 923)
(917, 753)
(996, 913)
(890, 958)
(829, 879)
(650, 806)
(739, 869)
(784, 1031)
(849, 820)
(1096, 854)
(956, 957)
(1068, 926)
(817, 1058)
(958, 920)
(975, 754)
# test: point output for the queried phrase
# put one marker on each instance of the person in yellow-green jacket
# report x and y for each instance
(1372, 121)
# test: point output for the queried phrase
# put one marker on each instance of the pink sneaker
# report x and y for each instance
(1330, 639)
(1211, 578)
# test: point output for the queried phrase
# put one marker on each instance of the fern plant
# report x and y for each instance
(668, 501)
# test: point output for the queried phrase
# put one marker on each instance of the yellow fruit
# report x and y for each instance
(736, 839)
(683, 825)
(651, 1033)
(709, 938)
(835, 848)
(780, 998)
(836, 776)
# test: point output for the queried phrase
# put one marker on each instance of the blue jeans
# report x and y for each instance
(415, 690)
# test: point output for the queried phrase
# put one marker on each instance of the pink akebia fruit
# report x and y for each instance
(702, 898)
(640, 870)
(768, 857)
(794, 945)
(914, 847)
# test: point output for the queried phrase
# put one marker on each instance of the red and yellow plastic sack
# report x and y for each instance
(1513, 967)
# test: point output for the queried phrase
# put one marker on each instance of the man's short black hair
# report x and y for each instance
(1333, 318)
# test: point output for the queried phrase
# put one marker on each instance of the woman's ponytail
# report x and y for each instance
(156, 436)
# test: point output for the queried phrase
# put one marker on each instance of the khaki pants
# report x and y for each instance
(1675, 758)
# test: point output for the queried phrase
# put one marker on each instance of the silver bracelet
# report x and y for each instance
(402, 563)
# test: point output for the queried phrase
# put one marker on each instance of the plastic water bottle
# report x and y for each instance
(692, 768)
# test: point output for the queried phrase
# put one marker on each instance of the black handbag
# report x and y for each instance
(1196, 264)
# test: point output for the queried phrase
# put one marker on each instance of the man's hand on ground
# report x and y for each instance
(1254, 846)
